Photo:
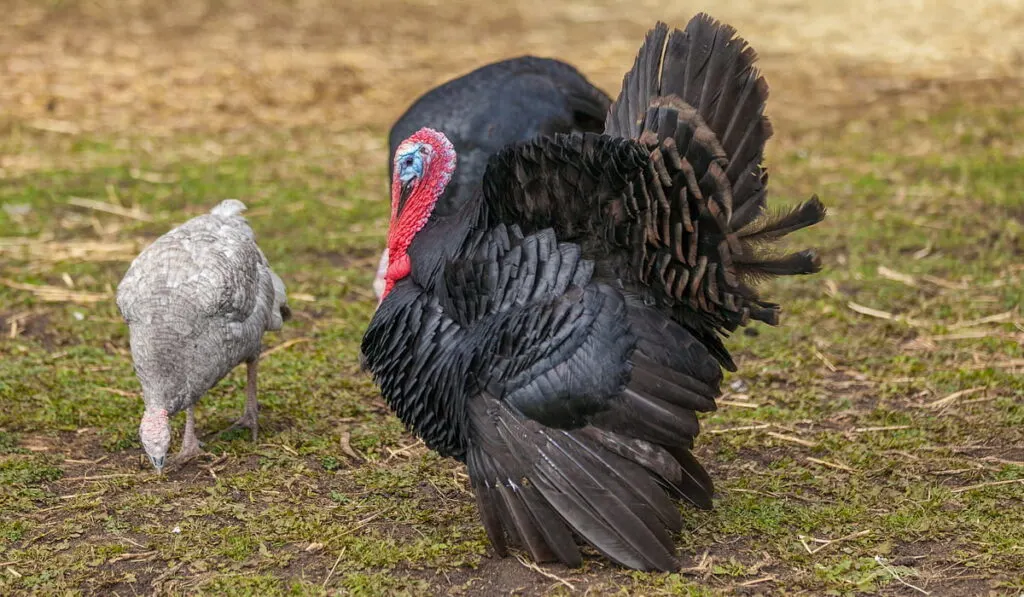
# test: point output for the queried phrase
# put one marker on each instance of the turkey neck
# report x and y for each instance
(442, 238)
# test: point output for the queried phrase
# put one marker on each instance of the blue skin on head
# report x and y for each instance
(410, 164)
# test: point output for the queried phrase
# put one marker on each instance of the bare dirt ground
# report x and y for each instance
(873, 443)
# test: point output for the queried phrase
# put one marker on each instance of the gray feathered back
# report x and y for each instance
(197, 302)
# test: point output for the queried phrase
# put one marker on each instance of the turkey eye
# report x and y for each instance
(408, 162)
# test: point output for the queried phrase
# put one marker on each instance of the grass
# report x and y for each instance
(874, 440)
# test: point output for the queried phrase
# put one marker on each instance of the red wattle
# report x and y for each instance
(397, 269)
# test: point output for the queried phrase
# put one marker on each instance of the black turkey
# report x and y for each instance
(493, 106)
(559, 329)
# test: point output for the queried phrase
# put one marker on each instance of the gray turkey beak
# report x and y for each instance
(158, 463)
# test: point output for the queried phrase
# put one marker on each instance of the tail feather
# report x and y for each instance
(638, 86)
(802, 262)
(712, 69)
(280, 304)
(806, 214)
(228, 208)
(753, 196)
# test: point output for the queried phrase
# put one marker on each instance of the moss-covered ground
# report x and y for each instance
(872, 443)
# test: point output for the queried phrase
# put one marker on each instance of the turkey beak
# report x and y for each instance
(405, 193)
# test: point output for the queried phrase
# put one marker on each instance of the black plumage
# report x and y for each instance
(495, 105)
(562, 326)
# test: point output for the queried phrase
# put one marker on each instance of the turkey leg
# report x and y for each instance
(249, 415)
(190, 446)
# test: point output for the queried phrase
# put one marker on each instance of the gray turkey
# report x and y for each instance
(493, 106)
(560, 329)
(197, 302)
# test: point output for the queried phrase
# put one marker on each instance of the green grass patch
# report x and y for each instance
(844, 436)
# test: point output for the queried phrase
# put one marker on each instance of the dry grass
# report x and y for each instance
(132, 69)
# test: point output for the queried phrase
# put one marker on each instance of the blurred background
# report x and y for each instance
(132, 67)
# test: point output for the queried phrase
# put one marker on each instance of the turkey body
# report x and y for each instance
(197, 303)
(560, 329)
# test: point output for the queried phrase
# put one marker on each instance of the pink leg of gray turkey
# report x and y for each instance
(249, 415)
(190, 445)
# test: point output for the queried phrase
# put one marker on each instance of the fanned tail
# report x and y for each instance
(696, 101)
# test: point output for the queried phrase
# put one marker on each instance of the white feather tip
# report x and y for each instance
(228, 208)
